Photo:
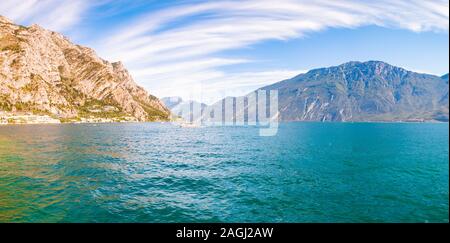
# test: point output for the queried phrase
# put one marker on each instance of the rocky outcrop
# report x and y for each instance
(43, 72)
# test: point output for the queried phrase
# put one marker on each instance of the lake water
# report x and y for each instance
(150, 172)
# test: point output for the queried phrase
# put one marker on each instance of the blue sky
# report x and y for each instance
(220, 48)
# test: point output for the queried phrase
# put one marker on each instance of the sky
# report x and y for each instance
(213, 49)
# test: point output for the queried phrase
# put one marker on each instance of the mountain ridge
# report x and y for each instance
(362, 91)
(42, 72)
(357, 91)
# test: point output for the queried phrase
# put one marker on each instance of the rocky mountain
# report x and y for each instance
(44, 73)
(358, 91)
(363, 91)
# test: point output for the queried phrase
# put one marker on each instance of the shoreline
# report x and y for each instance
(34, 119)
(130, 122)
(79, 123)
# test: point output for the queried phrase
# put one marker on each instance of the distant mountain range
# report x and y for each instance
(42, 72)
(178, 107)
(360, 91)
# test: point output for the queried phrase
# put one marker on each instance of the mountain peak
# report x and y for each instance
(356, 69)
(3, 19)
(368, 64)
(380, 68)
(37, 27)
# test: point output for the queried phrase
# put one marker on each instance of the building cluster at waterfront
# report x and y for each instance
(30, 118)
(26, 118)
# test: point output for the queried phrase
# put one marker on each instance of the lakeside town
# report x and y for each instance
(30, 118)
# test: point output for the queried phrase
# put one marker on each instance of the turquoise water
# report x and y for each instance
(309, 172)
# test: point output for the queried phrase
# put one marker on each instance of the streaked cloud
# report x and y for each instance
(58, 15)
(179, 46)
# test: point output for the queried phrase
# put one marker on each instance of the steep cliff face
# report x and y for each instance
(363, 91)
(43, 72)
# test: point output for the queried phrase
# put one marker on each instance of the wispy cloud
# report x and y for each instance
(180, 46)
(58, 15)
(217, 84)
